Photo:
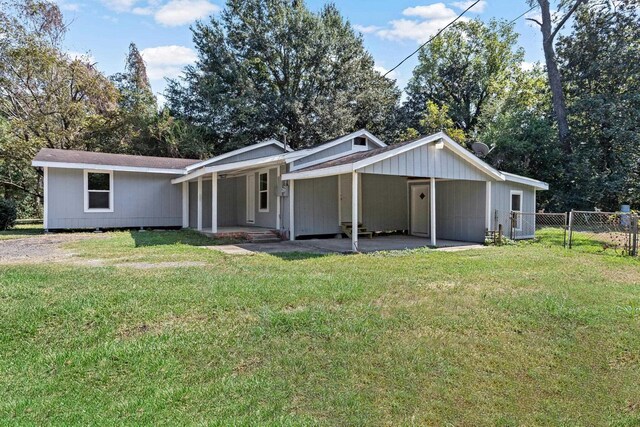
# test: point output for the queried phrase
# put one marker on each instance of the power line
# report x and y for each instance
(440, 32)
(431, 39)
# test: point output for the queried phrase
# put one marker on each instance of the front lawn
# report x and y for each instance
(516, 335)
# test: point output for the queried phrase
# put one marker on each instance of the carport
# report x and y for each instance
(431, 188)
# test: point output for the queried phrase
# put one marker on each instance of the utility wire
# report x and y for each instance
(431, 39)
(440, 32)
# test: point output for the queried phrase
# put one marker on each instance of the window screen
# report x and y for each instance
(99, 189)
(516, 200)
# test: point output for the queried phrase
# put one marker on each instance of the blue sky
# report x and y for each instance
(103, 29)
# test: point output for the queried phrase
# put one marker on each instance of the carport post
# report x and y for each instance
(185, 204)
(200, 203)
(214, 202)
(432, 207)
(292, 232)
(354, 212)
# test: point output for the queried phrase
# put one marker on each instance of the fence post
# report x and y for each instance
(570, 228)
(564, 228)
(511, 227)
(634, 240)
(499, 234)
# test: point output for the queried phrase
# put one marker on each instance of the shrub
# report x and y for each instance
(7, 214)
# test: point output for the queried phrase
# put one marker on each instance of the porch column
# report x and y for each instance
(185, 204)
(45, 214)
(354, 212)
(488, 206)
(214, 202)
(200, 203)
(432, 206)
(292, 234)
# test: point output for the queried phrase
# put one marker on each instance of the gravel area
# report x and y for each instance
(40, 248)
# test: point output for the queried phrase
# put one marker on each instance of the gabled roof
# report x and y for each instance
(332, 143)
(238, 151)
(75, 159)
(356, 161)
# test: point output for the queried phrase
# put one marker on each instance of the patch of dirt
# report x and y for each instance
(170, 264)
(41, 248)
(183, 322)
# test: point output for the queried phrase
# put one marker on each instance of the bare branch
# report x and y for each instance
(534, 20)
(566, 17)
(20, 187)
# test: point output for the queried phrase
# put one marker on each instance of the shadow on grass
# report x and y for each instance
(19, 231)
(173, 237)
(296, 256)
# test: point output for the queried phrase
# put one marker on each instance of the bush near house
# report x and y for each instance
(8, 214)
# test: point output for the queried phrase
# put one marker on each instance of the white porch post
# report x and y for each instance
(488, 206)
(214, 202)
(45, 215)
(200, 203)
(292, 233)
(432, 207)
(354, 212)
(278, 209)
(185, 204)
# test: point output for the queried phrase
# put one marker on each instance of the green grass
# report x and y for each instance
(21, 231)
(516, 335)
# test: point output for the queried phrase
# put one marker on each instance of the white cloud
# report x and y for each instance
(366, 29)
(528, 66)
(392, 75)
(181, 12)
(431, 11)
(120, 5)
(142, 11)
(67, 6)
(432, 18)
(167, 61)
(463, 5)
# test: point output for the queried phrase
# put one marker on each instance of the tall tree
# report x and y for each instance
(601, 71)
(549, 31)
(463, 69)
(272, 67)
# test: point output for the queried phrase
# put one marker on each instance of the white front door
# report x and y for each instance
(420, 210)
(251, 198)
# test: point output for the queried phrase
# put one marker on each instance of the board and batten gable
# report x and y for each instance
(345, 148)
(266, 151)
(427, 161)
(139, 200)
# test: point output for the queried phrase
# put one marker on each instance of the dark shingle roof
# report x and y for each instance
(356, 157)
(108, 159)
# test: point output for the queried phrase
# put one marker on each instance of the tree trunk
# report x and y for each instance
(555, 80)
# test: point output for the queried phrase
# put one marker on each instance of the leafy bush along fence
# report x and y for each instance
(584, 230)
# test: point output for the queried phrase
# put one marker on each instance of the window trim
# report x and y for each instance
(359, 146)
(261, 172)
(86, 173)
(521, 194)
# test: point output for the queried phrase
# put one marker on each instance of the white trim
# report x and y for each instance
(45, 205)
(185, 205)
(199, 214)
(86, 191)
(261, 172)
(102, 168)
(292, 234)
(261, 162)
(278, 208)
(325, 159)
(521, 194)
(539, 185)
(214, 202)
(354, 211)
(432, 215)
(487, 209)
(236, 152)
(318, 173)
(250, 193)
(338, 141)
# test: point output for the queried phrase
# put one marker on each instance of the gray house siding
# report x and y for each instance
(343, 147)
(193, 204)
(460, 210)
(140, 200)
(384, 202)
(316, 206)
(427, 161)
(501, 206)
(268, 150)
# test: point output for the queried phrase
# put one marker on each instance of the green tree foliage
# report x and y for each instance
(269, 67)
(436, 119)
(463, 69)
(601, 70)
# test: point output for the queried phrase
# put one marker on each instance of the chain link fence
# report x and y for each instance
(583, 230)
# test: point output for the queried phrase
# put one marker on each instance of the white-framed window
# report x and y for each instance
(263, 191)
(98, 191)
(359, 141)
(516, 206)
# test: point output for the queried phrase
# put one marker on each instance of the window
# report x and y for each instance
(360, 141)
(516, 206)
(263, 191)
(98, 194)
